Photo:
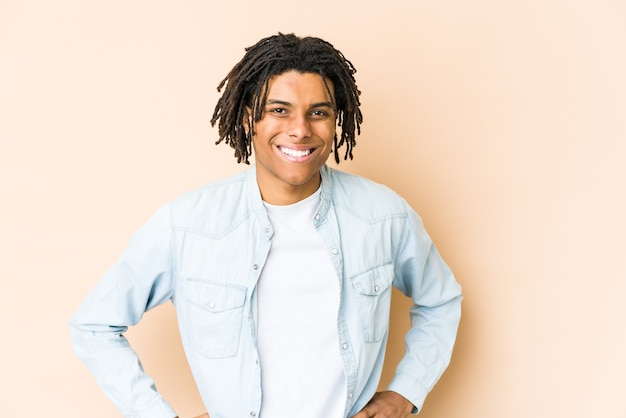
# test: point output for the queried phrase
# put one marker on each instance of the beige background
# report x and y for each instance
(502, 122)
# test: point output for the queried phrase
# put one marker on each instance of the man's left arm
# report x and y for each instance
(386, 404)
(422, 275)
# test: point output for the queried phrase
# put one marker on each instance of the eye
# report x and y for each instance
(318, 113)
(277, 111)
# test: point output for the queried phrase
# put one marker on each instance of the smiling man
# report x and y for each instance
(282, 275)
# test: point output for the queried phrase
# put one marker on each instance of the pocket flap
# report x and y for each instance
(375, 281)
(215, 297)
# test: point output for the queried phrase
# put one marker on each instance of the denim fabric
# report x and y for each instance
(205, 252)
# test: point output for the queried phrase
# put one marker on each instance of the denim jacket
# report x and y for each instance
(205, 252)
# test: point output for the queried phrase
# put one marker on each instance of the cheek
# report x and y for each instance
(327, 131)
(262, 135)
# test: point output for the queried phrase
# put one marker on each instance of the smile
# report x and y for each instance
(295, 153)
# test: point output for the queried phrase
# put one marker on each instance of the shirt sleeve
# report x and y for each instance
(140, 280)
(422, 275)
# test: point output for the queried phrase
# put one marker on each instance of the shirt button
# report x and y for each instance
(350, 395)
(317, 216)
(255, 266)
(253, 414)
(211, 305)
(344, 346)
(267, 230)
(376, 288)
(334, 251)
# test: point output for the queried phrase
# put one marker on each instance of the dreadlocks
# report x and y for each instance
(246, 87)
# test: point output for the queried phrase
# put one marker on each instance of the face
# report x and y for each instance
(294, 137)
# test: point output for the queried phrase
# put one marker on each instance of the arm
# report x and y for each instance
(423, 276)
(140, 280)
(386, 404)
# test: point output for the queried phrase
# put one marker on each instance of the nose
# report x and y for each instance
(299, 127)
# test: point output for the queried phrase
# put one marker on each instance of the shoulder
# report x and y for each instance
(224, 198)
(359, 194)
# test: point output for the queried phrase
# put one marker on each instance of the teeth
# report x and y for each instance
(295, 153)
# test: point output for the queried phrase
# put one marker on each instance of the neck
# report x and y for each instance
(281, 194)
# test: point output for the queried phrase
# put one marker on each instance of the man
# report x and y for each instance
(281, 276)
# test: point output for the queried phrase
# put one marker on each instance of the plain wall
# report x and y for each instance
(502, 123)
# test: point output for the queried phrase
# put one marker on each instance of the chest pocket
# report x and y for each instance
(215, 314)
(373, 296)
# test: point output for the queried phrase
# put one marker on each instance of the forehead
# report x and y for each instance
(294, 85)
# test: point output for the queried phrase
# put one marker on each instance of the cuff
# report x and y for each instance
(157, 409)
(406, 386)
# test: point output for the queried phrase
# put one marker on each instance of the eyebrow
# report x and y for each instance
(288, 104)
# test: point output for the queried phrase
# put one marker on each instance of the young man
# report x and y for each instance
(281, 276)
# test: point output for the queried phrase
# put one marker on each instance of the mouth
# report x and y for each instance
(296, 153)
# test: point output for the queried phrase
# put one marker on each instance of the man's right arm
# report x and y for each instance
(140, 280)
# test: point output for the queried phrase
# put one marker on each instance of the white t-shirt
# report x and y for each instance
(298, 302)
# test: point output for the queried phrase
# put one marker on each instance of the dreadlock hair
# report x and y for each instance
(247, 84)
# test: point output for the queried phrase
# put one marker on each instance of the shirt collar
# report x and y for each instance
(256, 203)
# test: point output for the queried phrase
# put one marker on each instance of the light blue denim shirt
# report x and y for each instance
(205, 252)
